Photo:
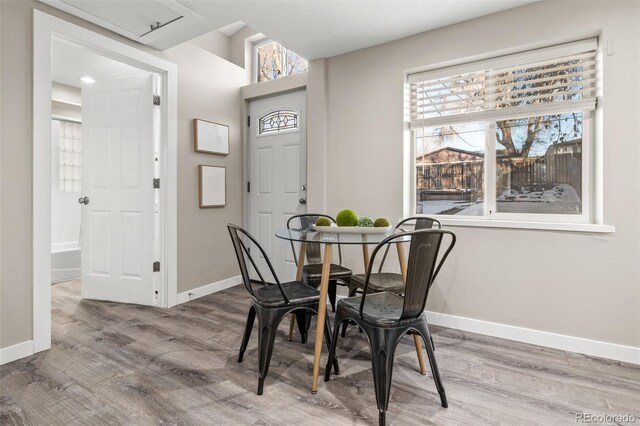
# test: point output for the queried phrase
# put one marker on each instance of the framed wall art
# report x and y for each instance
(211, 138)
(212, 182)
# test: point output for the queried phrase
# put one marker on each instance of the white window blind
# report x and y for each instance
(536, 82)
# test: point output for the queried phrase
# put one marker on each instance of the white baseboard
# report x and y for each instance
(208, 289)
(60, 275)
(536, 337)
(12, 353)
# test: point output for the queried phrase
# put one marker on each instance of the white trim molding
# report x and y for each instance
(563, 342)
(205, 290)
(45, 28)
(594, 228)
(17, 351)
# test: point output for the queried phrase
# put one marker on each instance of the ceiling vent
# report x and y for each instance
(145, 21)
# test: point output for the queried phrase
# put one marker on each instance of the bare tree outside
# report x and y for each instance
(275, 61)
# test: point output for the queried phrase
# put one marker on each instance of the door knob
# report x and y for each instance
(83, 200)
(302, 200)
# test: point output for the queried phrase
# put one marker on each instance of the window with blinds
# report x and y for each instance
(537, 82)
(504, 138)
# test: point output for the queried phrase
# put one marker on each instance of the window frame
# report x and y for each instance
(256, 63)
(587, 221)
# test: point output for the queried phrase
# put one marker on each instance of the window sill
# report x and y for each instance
(513, 224)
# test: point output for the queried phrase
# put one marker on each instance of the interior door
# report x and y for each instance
(117, 190)
(277, 173)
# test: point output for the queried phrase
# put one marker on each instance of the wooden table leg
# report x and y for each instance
(322, 314)
(418, 342)
(303, 251)
(416, 338)
(365, 257)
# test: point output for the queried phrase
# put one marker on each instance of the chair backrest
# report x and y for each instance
(242, 253)
(419, 222)
(307, 221)
(422, 266)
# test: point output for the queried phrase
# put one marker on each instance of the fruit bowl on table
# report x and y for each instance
(352, 229)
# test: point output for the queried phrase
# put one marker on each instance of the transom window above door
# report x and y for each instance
(273, 61)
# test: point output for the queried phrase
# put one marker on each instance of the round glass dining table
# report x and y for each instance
(328, 239)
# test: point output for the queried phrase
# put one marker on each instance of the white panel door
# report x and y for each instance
(278, 174)
(118, 165)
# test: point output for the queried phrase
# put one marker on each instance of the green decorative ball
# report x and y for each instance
(347, 217)
(381, 222)
(323, 221)
(365, 222)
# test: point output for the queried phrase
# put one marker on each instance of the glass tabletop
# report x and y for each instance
(336, 238)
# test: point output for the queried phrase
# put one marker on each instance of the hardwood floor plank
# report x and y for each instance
(119, 364)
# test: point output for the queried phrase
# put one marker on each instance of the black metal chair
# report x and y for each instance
(312, 272)
(388, 281)
(270, 302)
(385, 317)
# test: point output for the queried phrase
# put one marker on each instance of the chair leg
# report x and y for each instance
(352, 292)
(327, 337)
(303, 320)
(268, 323)
(247, 332)
(333, 289)
(424, 330)
(332, 348)
(383, 345)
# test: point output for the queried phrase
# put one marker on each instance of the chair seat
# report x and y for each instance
(297, 292)
(379, 308)
(380, 281)
(312, 274)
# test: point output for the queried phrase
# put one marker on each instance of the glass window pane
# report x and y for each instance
(295, 64)
(539, 164)
(269, 61)
(450, 170)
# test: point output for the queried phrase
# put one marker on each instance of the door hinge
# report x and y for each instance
(156, 99)
(248, 186)
(248, 121)
(156, 266)
(156, 183)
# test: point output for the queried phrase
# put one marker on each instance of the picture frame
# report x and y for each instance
(210, 137)
(212, 186)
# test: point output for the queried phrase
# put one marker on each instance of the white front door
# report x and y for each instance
(277, 174)
(118, 163)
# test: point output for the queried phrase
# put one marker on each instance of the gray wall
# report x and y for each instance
(569, 283)
(208, 88)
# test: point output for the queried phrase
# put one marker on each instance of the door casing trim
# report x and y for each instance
(45, 28)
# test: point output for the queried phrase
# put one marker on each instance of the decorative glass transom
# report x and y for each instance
(278, 121)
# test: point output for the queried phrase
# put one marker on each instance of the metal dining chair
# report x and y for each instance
(312, 272)
(385, 317)
(389, 281)
(270, 302)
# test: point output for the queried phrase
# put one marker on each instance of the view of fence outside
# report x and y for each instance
(538, 171)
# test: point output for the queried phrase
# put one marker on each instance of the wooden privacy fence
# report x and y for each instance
(534, 173)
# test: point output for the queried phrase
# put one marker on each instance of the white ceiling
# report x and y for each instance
(70, 62)
(323, 28)
(231, 29)
(312, 28)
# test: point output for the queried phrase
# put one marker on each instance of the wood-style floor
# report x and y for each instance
(113, 363)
